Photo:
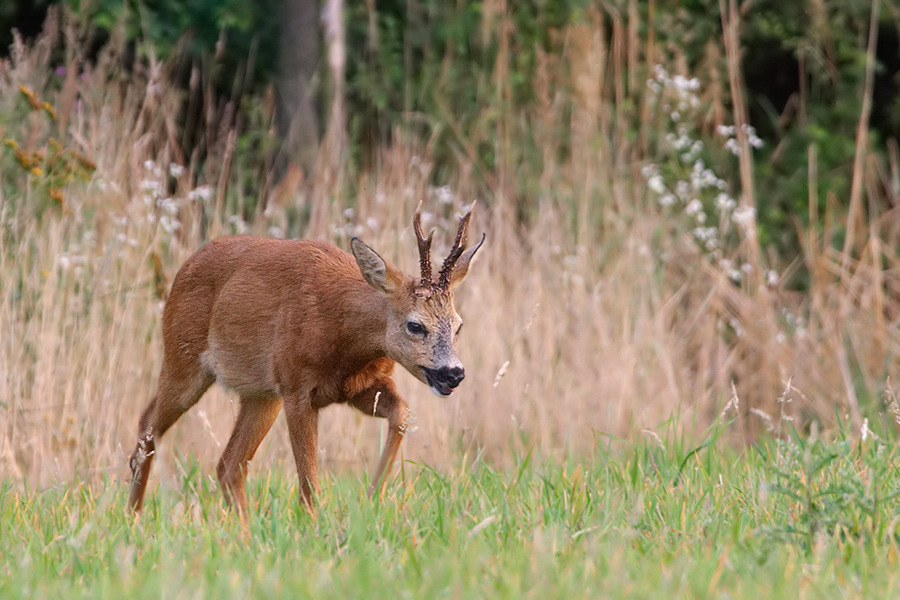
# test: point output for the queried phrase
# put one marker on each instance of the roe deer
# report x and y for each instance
(301, 324)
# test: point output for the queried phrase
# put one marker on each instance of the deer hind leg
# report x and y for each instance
(303, 429)
(254, 421)
(175, 395)
(382, 400)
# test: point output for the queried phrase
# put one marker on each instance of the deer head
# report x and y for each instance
(422, 325)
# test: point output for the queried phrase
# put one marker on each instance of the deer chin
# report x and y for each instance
(441, 391)
(438, 388)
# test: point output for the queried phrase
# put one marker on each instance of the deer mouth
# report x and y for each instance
(438, 385)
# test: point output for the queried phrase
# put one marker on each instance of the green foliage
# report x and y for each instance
(783, 43)
(230, 30)
(431, 69)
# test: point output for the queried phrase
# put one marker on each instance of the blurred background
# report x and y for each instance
(691, 210)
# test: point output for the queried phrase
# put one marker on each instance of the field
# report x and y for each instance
(665, 393)
(794, 519)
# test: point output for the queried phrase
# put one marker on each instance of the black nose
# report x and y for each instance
(451, 377)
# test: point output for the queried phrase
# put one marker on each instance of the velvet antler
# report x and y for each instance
(424, 248)
(459, 245)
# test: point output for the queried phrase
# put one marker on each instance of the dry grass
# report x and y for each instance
(597, 313)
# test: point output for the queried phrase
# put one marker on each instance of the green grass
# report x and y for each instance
(800, 518)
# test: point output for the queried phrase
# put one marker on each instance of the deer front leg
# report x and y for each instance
(382, 400)
(303, 429)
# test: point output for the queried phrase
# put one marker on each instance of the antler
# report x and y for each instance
(459, 245)
(424, 247)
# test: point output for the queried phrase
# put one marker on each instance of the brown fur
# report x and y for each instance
(298, 324)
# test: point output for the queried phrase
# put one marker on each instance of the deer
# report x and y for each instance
(301, 325)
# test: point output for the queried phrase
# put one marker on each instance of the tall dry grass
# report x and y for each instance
(596, 313)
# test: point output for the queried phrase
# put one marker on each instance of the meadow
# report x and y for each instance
(794, 519)
(656, 399)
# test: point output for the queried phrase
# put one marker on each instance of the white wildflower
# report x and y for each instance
(656, 184)
(725, 130)
(169, 224)
(725, 203)
(705, 233)
(151, 186)
(693, 207)
(445, 195)
(169, 206)
(239, 224)
(744, 216)
(203, 192)
(732, 146)
(176, 170)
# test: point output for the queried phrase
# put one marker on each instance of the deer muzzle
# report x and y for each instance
(444, 380)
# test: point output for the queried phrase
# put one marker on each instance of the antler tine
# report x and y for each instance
(459, 245)
(424, 247)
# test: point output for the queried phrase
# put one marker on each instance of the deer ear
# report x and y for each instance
(462, 265)
(379, 273)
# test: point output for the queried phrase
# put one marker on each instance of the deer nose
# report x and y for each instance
(451, 376)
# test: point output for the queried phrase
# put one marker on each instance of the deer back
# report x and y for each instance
(268, 317)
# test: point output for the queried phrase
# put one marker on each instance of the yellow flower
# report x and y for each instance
(31, 97)
(86, 162)
(37, 171)
(50, 111)
(23, 159)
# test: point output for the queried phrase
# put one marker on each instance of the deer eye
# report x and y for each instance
(458, 329)
(416, 328)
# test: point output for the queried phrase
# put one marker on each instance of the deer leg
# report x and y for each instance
(253, 423)
(173, 398)
(398, 422)
(382, 400)
(303, 429)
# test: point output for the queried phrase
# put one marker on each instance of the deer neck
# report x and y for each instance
(365, 334)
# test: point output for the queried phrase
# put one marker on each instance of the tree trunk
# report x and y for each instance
(298, 123)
